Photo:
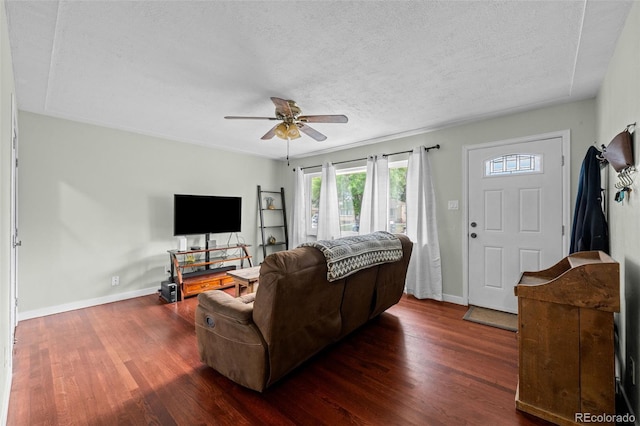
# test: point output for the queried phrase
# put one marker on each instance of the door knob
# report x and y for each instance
(473, 224)
(473, 235)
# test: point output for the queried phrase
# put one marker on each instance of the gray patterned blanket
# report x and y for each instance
(348, 255)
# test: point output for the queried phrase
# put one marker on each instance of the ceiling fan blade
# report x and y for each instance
(282, 106)
(311, 132)
(236, 117)
(323, 118)
(270, 134)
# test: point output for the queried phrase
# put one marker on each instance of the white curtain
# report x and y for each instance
(375, 206)
(328, 213)
(299, 213)
(424, 276)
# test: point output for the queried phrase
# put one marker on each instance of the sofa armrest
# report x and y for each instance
(234, 309)
(228, 339)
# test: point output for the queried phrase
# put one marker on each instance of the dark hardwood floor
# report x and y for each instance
(135, 362)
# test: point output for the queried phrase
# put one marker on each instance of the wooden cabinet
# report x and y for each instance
(566, 338)
(196, 271)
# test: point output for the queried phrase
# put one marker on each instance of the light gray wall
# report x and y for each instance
(98, 202)
(6, 90)
(618, 104)
(578, 117)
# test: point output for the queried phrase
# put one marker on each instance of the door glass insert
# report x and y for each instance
(513, 164)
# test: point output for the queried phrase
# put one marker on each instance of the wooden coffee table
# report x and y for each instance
(246, 277)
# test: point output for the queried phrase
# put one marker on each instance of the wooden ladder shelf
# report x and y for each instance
(273, 218)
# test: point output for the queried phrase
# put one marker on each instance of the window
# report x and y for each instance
(513, 164)
(312, 184)
(350, 187)
(398, 197)
(350, 184)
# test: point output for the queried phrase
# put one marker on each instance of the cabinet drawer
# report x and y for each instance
(226, 280)
(198, 287)
(194, 286)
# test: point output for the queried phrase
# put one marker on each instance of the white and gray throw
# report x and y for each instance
(348, 255)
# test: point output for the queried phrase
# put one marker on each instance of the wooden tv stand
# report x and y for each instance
(195, 274)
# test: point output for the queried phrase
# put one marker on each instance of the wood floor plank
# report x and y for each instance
(136, 362)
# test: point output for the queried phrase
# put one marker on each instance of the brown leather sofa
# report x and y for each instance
(257, 339)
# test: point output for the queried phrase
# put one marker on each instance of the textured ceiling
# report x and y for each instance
(175, 69)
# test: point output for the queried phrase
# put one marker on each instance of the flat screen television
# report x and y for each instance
(206, 214)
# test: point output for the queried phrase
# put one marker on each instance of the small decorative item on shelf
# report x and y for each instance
(190, 259)
(272, 239)
(270, 205)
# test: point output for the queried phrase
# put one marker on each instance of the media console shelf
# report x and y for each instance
(194, 271)
(565, 338)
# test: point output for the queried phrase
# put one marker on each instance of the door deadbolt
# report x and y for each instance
(473, 224)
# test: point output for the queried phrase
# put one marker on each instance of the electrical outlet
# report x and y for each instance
(632, 368)
(115, 280)
(453, 205)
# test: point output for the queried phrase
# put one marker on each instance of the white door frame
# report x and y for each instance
(15, 243)
(565, 135)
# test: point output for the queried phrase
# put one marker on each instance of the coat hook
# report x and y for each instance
(624, 178)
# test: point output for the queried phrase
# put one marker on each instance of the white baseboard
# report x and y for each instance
(36, 313)
(458, 300)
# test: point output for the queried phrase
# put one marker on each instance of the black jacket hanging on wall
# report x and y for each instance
(590, 230)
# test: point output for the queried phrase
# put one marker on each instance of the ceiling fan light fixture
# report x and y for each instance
(281, 130)
(293, 132)
(287, 131)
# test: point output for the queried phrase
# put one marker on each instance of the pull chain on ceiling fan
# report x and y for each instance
(293, 122)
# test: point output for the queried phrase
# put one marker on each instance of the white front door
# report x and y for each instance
(515, 216)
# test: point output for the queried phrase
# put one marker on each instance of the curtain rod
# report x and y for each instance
(360, 159)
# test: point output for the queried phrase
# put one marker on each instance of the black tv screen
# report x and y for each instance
(206, 214)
